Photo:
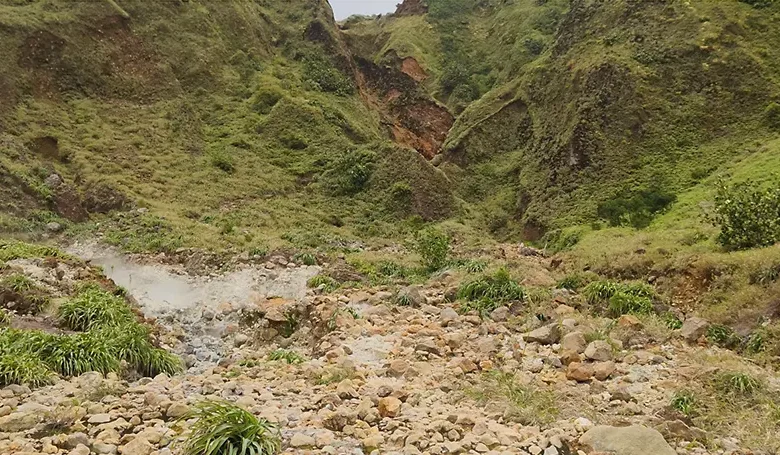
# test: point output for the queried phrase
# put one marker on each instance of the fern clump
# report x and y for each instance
(226, 429)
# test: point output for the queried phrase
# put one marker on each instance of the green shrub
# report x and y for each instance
(559, 240)
(24, 368)
(349, 173)
(266, 98)
(735, 383)
(624, 303)
(94, 307)
(684, 402)
(500, 288)
(637, 209)
(305, 258)
(220, 159)
(748, 215)
(434, 248)
(722, 336)
(320, 72)
(291, 357)
(671, 321)
(223, 428)
(328, 284)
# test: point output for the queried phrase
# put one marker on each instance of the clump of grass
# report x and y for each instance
(483, 306)
(305, 258)
(671, 321)
(327, 283)
(756, 342)
(499, 287)
(19, 283)
(524, 404)
(575, 281)
(402, 299)
(602, 291)
(473, 265)
(5, 317)
(765, 275)
(223, 428)
(684, 401)
(22, 368)
(737, 384)
(291, 357)
(77, 354)
(722, 336)
(622, 303)
(94, 307)
(12, 249)
(335, 375)
(392, 269)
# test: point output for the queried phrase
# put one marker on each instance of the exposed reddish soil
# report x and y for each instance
(411, 68)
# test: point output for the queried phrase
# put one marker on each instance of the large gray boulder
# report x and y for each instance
(633, 440)
(548, 334)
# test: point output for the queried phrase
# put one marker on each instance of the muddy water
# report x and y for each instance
(196, 304)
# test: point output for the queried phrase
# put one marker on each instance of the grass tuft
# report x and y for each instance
(21, 368)
(94, 307)
(737, 384)
(684, 401)
(524, 404)
(327, 283)
(291, 357)
(225, 429)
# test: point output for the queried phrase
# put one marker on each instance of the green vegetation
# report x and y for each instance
(636, 210)
(489, 292)
(223, 428)
(748, 215)
(433, 247)
(523, 404)
(95, 308)
(327, 283)
(737, 384)
(22, 368)
(685, 402)
(723, 336)
(291, 357)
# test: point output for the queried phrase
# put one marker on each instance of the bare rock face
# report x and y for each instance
(633, 440)
(411, 8)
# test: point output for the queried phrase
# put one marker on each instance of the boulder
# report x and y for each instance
(548, 334)
(302, 440)
(603, 370)
(19, 421)
(694, 328)
(389, 407)
(448, 316)
(138, 446)
(633, 440)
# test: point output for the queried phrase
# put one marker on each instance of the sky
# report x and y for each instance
(342, 9)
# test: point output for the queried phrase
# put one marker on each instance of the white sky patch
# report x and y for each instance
(342, 9)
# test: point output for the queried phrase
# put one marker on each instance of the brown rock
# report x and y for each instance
(580, 372)
(569, 357)
(389, 407)
(630, 321)
(603, 370)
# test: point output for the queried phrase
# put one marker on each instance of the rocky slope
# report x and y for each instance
(374, 377)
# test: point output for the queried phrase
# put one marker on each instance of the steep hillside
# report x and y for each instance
(569, 105)
(234, 124)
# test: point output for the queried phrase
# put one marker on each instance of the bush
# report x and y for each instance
(748, 215)
(637, 209)
(350, 172)
(226, 429)
(325, 77)
(220, 159)
(434, 248)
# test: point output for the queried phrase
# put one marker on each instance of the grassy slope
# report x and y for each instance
(149, 105)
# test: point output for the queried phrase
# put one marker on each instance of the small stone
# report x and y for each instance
(448, 316)
(138, 446)
(177, 410)
(80, 450)
(574, 342)
(389, 407)
(302, 440)
(102, 448)
(500, 314)
(580, 372)
(76, 439)
(548, 334)
(629, 321)
(99, 418)
(397, 368)
(413, 295)
(599, 350)
(53, 227)
(569, 357)
(603, 370)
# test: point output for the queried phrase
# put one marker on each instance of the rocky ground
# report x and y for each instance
(377, 378)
